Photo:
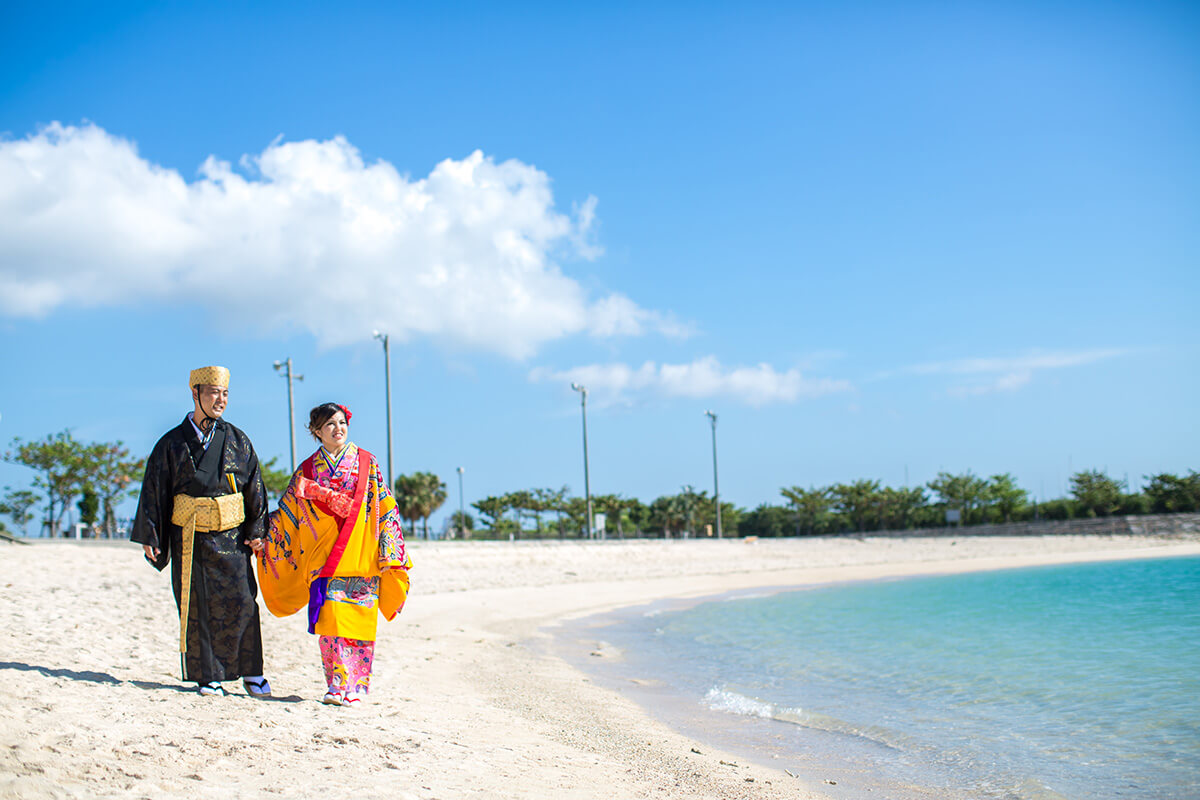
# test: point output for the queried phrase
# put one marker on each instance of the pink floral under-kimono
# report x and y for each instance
(347, 665)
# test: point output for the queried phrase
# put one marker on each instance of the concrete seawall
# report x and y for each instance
(1145, 524)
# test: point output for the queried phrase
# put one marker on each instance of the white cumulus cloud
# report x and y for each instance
(756, 385)
(306, 235)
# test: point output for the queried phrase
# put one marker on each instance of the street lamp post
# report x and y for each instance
(587, 486)
(387, 376)
(286, 366)
(462, 517)
(716, 486)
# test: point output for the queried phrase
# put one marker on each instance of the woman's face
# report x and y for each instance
(333, 433)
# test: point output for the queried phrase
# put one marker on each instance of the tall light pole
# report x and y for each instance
(716, 486)
(387, 377)
(587, 486)
(462, 517)
(286, 365)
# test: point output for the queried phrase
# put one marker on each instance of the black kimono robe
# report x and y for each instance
(224, 640)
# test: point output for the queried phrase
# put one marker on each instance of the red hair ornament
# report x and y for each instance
(345, 411)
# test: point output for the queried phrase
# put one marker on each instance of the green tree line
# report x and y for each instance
(92, 478)
(95, 477)
(964, 499)
(555, 513)
(857, 507)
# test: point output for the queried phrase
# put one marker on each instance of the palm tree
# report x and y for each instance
(662, 513)
(431, 494)
(611, 505)
(462, 522)
(676, 512)
(639, 514)
(676, 516)
(623, 505)
(556, 502)
(408, 492)
(689, 504)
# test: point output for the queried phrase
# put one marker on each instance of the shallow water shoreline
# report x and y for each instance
(614, 647)
(468, 699)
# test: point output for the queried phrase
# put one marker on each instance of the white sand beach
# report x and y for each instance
(466, 700)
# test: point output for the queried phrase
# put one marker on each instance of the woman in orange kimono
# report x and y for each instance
(335, 545)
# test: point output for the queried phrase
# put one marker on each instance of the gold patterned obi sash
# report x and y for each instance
(204, 514)
(209, 513)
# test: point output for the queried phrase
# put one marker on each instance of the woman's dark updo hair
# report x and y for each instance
(322, 414)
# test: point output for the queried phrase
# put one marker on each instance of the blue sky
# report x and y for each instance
(878, 239)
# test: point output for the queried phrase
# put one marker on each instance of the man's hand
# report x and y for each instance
(152, 553)
(257, 545)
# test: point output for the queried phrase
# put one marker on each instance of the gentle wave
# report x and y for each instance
(748, 596)
(721, 698)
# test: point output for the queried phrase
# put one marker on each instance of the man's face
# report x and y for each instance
(213, 400)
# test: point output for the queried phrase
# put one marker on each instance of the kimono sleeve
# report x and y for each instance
(153, 518)
(283, 568)
(254, 498)
(392, 552)
(393, 591)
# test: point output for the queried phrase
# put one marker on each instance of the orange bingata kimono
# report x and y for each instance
(335, 545)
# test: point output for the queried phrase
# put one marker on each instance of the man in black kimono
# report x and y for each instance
(202, 510)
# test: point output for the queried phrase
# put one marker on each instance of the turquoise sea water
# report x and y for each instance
(1075, 682)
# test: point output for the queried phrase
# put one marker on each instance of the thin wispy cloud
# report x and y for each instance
(1007, 382)
(989, 375)
(306, 236)
(756, 385)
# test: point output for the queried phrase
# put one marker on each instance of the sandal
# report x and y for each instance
(352, 700)
(212, 689)
(257, 687)
(332, 699)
